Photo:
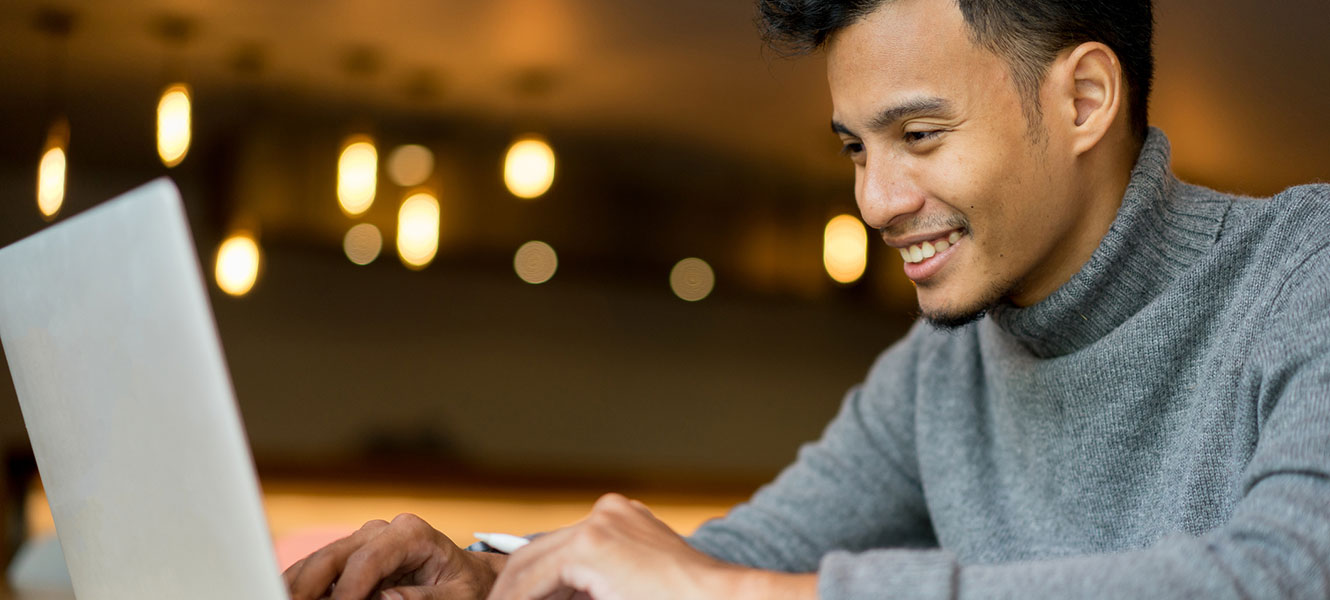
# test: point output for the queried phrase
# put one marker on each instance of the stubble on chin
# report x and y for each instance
(955, 316)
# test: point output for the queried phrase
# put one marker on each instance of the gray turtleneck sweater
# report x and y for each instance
(1158, 427)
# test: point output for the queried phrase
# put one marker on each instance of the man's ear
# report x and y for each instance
(1090, 93)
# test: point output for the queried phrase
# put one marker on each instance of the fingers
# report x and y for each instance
(532, 571)
(404, 546)
(309, 578)
(618, 543)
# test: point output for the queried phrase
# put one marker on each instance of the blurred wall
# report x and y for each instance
(677, 136)
(600, 374)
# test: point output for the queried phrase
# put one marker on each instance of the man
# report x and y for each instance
(1124, 393)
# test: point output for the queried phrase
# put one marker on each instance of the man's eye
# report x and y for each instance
(851, 149)
(914, 137)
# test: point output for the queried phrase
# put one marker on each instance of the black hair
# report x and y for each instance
(1028, 34)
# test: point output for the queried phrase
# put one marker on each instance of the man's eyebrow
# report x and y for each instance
(889, 116)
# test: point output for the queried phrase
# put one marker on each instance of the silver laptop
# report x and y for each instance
(110, 339)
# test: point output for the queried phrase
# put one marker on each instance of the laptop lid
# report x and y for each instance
(124, 390)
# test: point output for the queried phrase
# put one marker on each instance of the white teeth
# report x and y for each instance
(919, 252)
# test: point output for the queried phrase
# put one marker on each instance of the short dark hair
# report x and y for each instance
(1028, 34)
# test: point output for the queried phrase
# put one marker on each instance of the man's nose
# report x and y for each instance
(887, 193)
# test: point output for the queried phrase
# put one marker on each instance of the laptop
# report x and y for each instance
(106, 325)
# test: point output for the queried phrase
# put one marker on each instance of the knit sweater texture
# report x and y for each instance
(1158, 427)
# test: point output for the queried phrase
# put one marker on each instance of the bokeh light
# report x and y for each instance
(410, 165)
(173, 124)
(418, 230)
(535, 262)
(357, 175)
(845, 248)
(528, 167)
(692, 279)
(362, 243)
(51, 182)
(52, 170)
(238, 264)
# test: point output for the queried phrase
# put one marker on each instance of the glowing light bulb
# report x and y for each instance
(362, 243)
(51, 182)
(845, 248)
(173, 124)
(357, 175)
(52, 170)
(238, 264)
(535, 262)
(692, 279)
(528, 167)
(418, 230)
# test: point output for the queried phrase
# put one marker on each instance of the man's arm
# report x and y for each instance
(1276, 544)
(856, 488)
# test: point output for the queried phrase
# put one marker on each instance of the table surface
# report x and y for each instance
(304, 516)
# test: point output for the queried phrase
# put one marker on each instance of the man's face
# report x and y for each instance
(945, 162)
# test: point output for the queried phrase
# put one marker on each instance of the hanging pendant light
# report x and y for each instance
(53, 167)
(357, 174)
(173, 124)
(51, 171)
(528, 167)
(418, 230)
(238, 260)
(845, 248)
(358, 159)
(175, 106)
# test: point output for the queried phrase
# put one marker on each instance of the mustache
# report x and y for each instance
(934, 223)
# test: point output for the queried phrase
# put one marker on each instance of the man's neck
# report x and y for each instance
(1105, 173)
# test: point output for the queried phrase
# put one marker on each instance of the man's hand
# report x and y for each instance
(406, 557)
(620, 551)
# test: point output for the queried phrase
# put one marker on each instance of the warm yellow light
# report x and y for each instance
(845, 249)
(410, 165)
(52, 170)
(173, 117)
(528, 167)
(51, 182)
(362, 243)
(418, 230)
(535, 262)
(692, 279)
(237, 264)
(357, 175)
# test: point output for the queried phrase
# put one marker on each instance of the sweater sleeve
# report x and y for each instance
(1276, 544)
(855, 488)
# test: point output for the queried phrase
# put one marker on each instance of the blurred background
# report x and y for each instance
(504, 256)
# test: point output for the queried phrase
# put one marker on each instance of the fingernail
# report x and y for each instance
(390, 595)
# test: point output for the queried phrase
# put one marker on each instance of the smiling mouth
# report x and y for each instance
(917, 253)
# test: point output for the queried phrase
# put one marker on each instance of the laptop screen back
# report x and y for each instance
(123, 387)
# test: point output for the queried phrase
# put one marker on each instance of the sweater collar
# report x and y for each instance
(1160, 229)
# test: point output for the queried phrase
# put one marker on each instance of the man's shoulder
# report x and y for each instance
(1270, 237)
(1296, 212)
(1279, 245)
